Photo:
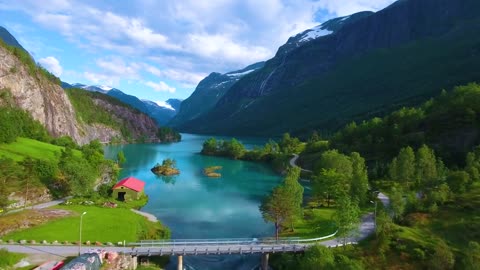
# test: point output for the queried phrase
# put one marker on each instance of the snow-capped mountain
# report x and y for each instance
(208, 92)
(94, 88)
(327, 28)
(161, 111)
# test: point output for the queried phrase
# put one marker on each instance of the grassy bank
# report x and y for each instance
(22, 148)
(315, 223)
(99, 224)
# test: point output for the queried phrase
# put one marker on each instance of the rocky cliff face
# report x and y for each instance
(141, 126)
(45, 101)
(49, 104)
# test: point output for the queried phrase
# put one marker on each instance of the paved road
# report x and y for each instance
(384, 199)
(293, 163)
(149, 216)
(41, 205)
(202, 247)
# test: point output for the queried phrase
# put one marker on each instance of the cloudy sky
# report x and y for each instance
(161, 49)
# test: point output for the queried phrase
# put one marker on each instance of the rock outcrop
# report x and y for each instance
(45, 101)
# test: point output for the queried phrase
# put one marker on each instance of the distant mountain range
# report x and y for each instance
(346, 69)
(208, 92)
(161, 112)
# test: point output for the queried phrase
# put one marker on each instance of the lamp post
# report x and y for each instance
(80, 242)
(375, 215)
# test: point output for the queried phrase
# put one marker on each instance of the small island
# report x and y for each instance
(167, 168)
(212, 171)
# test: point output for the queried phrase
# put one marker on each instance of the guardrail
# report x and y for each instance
(228, 241)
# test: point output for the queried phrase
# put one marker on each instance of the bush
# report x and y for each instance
(418, 254)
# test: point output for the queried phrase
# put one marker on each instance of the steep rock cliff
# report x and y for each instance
(45, 101)
(49, 104)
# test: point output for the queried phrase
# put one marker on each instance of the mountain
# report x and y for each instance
(160, 114)
(81, 116)
(9, 39)
(208, 92)
(130, 125)
(174, 103)
(353, 68)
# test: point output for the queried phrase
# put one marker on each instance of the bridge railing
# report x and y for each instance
(228, 241)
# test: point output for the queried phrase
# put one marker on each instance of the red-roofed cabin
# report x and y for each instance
(129, 188)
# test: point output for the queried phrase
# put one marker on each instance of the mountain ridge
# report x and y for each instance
(314, 85)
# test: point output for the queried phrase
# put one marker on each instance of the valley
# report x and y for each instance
(295, 136)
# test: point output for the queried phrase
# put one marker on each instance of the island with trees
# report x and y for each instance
(167, 168)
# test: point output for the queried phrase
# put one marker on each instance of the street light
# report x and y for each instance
(80, 242)
(375, 215)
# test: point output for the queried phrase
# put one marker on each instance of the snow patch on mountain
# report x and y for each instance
(105, 88)
(316, 32)
(240, 74)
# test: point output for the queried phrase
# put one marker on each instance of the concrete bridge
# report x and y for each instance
(185, 247)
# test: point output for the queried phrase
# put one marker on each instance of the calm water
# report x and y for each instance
(195, 206)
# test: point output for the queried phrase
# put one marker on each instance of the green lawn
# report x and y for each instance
(23, 147)
(99, 224)
(8, 259)
(315, 223)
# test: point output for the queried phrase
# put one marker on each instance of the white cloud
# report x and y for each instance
(161, 87)
(52, 64)
(165, 105)
(187, 39)
(98, 78)
(225, 48)
(181, 76)
(347, 7)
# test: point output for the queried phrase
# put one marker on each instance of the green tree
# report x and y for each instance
(345, 263)
(442, 258)
(359, 183)
(234, 149)
(288, 144)
(317, 257)
(426, 167)
(383, 231)
(275, 208)
(329, 184)
(458, 181)
(121, 157)
(210, 147)
(10, 172)
(397, 203)
(472, 256)
(332, 159)
(406, 166)
(347, 218)
(296, 192)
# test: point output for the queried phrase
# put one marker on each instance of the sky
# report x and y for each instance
(160, 49)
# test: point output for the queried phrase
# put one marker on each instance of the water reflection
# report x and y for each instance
(196, 206)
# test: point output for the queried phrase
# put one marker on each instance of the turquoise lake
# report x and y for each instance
(195, 206)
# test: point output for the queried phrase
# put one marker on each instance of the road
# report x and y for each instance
(212, 246)
(293, 163)
(40, 205)
(205, 246)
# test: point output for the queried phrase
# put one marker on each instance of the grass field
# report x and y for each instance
(315, 223)
(23, 147)
(99, 224)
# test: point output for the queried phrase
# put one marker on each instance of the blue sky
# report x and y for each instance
(161, 49)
